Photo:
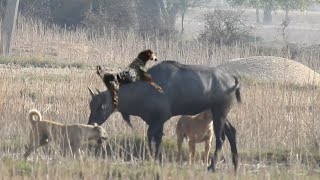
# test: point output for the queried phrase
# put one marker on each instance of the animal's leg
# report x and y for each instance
(111, 82)
(98, 148)
(29, 150)
(219, 123)
(192, 151)
(207, 151)
(75, 147)
(158, 140)
(35, 143)
(155, 132)
(179, 144)
(231, 135)
(147, 77)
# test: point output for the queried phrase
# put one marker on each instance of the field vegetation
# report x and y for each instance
(50, 69)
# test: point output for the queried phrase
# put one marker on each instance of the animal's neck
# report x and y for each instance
(85, 133)
(207, 115)
(141, 60)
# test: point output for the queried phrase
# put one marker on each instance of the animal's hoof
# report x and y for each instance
(211, 168)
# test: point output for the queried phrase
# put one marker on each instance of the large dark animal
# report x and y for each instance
(189, 90)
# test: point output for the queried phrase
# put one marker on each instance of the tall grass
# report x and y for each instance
(277, 126)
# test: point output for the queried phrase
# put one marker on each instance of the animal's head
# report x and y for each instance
(147, 55)
(100, 107)
(99, 132)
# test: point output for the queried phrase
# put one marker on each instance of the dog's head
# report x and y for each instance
(147, 55)
(100, 132)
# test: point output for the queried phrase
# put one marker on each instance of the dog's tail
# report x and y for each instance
(34, 115)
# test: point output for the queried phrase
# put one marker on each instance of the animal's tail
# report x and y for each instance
(237, 89)
(34, 115)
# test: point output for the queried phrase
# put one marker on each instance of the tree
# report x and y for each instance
(185, 5)
(269, 5)
(8, 26)
(257, 4)
(267, 17)
(225, 28)
(288, 5)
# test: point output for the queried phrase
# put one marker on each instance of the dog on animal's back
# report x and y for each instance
(68, 137)
(135, 71)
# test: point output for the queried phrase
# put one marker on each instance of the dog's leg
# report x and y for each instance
(35, 143)
(179, 144)
(147, 77)
(207, 151)
(192, 149)
(113, 87)
(29, 151)
(75, 147)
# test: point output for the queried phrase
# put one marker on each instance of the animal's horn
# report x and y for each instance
(91, 92)
(98, 90)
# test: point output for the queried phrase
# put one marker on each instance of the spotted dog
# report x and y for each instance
(135, 71)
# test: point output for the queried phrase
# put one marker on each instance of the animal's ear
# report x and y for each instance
(99, 71)
(91, 92)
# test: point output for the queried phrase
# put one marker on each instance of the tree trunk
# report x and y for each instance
(8, 26)
(257, 15)
(182, 22)
(267, 17)
(287, 12)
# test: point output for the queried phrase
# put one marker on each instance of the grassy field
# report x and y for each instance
(278, 126)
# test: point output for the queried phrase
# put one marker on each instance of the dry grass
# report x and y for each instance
(278, 129)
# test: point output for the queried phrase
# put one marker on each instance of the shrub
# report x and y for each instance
(225, 27)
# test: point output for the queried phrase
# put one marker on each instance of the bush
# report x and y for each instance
(225, 28)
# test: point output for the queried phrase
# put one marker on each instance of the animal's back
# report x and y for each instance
(191, 88)
(188, 90)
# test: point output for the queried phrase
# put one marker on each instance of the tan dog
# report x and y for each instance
(195, 129)
(69, 137)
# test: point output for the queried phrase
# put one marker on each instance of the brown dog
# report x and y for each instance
(195, 129)
(68, 137)
(136, 71)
